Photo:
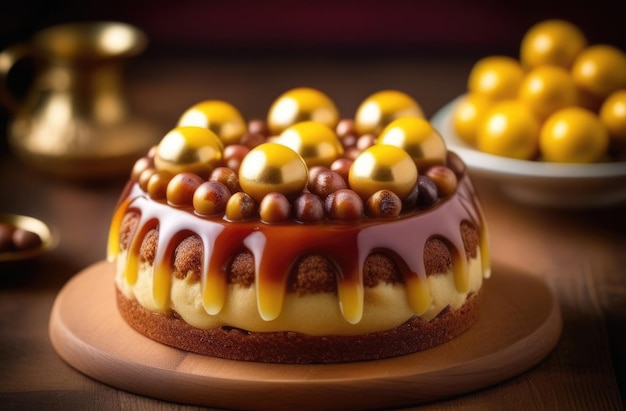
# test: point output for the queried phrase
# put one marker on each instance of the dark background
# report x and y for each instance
(205, 32)
(324, 27)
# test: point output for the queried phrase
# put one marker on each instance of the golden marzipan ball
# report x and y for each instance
(383, 167)
(600, 70)
(573, 135)
(496, 77)
(468, 114)
(301, 104)
(418, 138)
(552, 42)
(317, 143)
(546, 89)
(613, 116)
(509, 129)
(381, 108)
(221, 117)
(189, 149)
(272, 167)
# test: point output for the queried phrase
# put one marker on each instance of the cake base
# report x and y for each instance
(519, 323)
(295, 348)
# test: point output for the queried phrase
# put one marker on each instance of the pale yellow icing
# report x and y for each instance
(385, 306)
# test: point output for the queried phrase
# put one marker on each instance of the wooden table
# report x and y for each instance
(581, 254)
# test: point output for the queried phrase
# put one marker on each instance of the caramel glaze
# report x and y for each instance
(276, 247)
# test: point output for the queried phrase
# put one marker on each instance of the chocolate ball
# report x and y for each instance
(308, 208)
(344, 205)
(25, 239)
(384, 204)
(274, 208)
(210, 198)
(444, 178)
(240, 206)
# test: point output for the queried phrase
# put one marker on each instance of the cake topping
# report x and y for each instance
(317, 143)
(314, 154)
(344, 205)
(444, 178)
(220, 117)
(272, 167)
(181, 189)
(190, 149)
(383, 167)
(418, 138)
(234, 154)
(384, 204)
(324, 182)
(427, 192)
(210, 198)
(240, 206)
(381, 108)
(274, 208)
(308, 208)
(301, 104)
(226, 176)
(156, 183)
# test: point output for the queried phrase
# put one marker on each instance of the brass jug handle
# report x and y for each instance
(9, 57)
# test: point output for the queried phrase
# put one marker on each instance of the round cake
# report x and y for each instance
(303, 237)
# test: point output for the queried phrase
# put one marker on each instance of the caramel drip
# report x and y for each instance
(113, 244)
(277, 247)
(213, 280)
(132, 260)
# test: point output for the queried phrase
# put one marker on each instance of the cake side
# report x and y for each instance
(385, 277)
(291, 347)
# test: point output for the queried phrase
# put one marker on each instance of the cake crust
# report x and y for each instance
(296, 348)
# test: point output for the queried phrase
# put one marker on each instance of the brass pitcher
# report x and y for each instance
(74, 121)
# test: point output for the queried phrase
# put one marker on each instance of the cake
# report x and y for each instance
(303, 237)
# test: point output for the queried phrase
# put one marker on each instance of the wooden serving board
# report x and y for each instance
(519, 324)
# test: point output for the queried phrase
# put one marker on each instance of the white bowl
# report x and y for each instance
(538, 183)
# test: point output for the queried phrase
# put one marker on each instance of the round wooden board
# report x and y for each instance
(519, 324)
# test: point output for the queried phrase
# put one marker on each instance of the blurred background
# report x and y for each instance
(213, 34)
(447, 26)
(324, 26)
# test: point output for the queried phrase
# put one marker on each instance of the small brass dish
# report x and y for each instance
(48, 237)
